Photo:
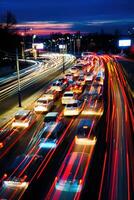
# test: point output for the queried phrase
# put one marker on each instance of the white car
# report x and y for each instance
(89, 77)
(51, 94)
(24, 118)
(68, 97)
(58, 86)
(43, 105)
(73, 109)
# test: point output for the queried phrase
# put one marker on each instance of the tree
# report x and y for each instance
(8, 20)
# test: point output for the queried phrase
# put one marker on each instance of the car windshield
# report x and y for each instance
(42, 101)
(56, 84)
(50, 119)
(73, 68)
(20, 117)
(68, 95)
(72, 105)
(84, 131)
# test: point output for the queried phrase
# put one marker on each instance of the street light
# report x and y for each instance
(33, 38)
(18, 77)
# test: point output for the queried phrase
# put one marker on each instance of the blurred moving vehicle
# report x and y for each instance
(24, 118)
(52, 118)
(68, 97)
(5, 136)
(18, 175)
(73, 109)
(51, 94)
(83, 133)
(81, 80)
(50, 135)
(71, 177)
(89, 77)
(58, 86)
(43, 105)
(76, 88)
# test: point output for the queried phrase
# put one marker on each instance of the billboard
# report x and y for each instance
(62, 46)
(124, 43)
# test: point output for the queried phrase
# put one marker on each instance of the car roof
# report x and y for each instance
(51, 114)
(69, 92)
(22, 112)
(43, 98)
(85, 122)
(75, 101)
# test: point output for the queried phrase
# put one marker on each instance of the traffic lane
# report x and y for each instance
(116, 167)
(47, 177)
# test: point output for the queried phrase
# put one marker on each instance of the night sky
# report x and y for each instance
(45, 16)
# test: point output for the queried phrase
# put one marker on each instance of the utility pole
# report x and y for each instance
(63, 64)
(18, 77)
(74, 46)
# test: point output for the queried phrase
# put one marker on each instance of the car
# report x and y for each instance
(76, 88)
(75, 71)
(23, 118)
(89, 77)
(15, 183)
(5, 136)
(63, 80)
(51, 94)
(50, 135)
(73, 109)
(83, 133)
(81, 80)
(58, 86)
(71, 174)
(43, 104)
(69, 77)
(22, 163)
(52, 118)
(68, 97)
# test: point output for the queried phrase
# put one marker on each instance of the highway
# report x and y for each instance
(100, 166)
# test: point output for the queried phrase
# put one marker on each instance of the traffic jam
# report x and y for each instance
(68, 110)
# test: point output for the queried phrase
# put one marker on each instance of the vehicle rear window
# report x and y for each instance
(42, 101)
(50, 119)
(20, 117)
(72, 105)
(84, 131)
(68, 95)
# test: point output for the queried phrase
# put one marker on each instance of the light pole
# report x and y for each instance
(74, 46)
(18, 77)
(33, 38)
